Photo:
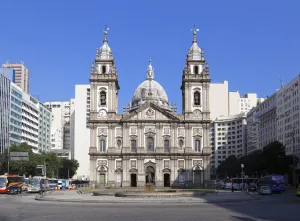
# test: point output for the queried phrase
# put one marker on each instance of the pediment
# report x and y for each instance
(150, 111)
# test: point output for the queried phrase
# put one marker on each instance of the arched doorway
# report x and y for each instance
(197, 176)
(150, 175)
(102, 170)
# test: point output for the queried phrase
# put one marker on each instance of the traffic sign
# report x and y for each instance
(242, 165)
(40, 165)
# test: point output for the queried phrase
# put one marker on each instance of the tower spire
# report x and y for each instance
(194, 30)
(105, 31)
(150, 70)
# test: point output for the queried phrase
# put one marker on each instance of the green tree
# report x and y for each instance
(273, 158)
(226, 168)
(68, 168)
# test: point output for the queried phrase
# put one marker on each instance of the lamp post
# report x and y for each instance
(294, 174)
(242, 166)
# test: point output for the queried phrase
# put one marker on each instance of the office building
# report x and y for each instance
(228, 136)
(20, 76)
(4, 108)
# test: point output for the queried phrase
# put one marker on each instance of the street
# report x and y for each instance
(275, 207)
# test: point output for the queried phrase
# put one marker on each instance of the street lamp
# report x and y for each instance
(242, 166)
(294, 174)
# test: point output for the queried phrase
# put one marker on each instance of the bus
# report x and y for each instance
(239, 183)
(274, 181)
(38, 184)
(53, 183)
(11, 184)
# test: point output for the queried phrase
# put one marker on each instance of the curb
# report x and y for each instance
(144, 201)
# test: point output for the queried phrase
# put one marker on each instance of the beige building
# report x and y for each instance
(21, 75)
(150, 142)
(228, 136)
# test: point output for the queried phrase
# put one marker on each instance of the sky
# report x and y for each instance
(249, 43)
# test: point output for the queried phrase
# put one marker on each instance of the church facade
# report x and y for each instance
(149, 142)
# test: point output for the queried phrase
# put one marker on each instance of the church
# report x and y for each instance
(149, 143)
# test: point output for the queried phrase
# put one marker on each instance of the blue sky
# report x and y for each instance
(249, 43)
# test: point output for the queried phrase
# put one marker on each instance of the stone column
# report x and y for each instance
(93, 170)
(159, 174)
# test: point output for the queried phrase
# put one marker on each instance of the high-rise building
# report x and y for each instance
(4, 108)
(228, 136)
(278, 118)
(288, 116)
(20, 76)
(60, 128)
(225, 103)
(16, 114)
(30, 121)
(228, 108)
(44, 128)
(253, 130)
(80, 134)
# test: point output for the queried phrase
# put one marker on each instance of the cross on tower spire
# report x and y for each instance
(195, 30)
(105, 31)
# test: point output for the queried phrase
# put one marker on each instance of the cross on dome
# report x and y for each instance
(150, 70)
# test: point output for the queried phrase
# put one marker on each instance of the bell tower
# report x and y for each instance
(195, 83)
(104, 81)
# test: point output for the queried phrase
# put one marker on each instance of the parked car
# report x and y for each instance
(252, 187)
(264, 190)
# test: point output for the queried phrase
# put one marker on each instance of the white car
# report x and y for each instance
(264, 190)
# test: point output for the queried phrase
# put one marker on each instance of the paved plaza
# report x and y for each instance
(272, 208)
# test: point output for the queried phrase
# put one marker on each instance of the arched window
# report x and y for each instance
(150, 144)
(133, 145)
(197, 98)
(197, 145)
(103, 69)
(103, 98)
(196, 69)
(166, 146)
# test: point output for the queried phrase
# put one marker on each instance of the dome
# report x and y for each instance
(105, 52)
(150, 90)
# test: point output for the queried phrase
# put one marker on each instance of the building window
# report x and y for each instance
(103, 98)
(150, 144)
(119, 142)
(166, 146)
(103, 69)
(196, 69)
(102, 145)
(133, 145)
(181, 177)
(180, 143)
(197, 145)
(197, 98)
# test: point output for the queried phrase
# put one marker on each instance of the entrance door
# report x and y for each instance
(102, 179)
(133, 180)
(166, 180)
(197, 179)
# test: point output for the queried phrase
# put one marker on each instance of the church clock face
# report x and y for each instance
(102, 113)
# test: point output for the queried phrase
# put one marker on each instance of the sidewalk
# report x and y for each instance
(73, 196)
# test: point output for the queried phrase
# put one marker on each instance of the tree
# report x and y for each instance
(273, 158)
(68, 168)
(55, 166)
(226, 167)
